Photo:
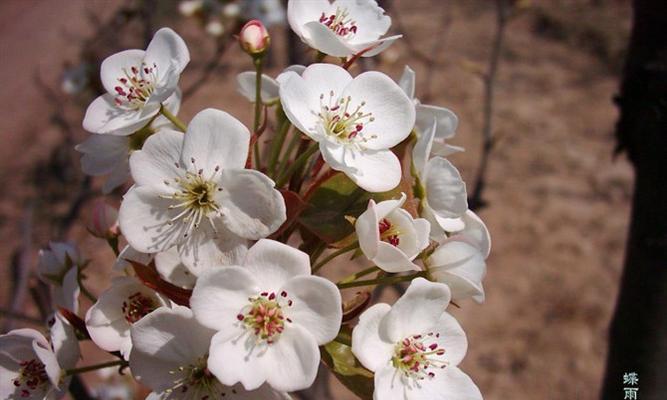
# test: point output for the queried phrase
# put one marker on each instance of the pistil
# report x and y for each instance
(135, 86)
(417, 360)
(388, 232)
(264, 316)
(340, 22)
(32, 376)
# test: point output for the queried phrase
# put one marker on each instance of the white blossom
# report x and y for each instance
(390, 237)
(109, 154)
(193, 191)
(137, 83)
(270, 315)
(127, 301)
(414, 347)
(461, 266)
(355, 120)
(170, 356)
(59, 267)
(270, 89)
(341, 28)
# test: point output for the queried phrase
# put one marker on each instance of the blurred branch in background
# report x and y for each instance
(476, 200)
(638, 331)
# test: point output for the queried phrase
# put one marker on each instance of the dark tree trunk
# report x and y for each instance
(638, 331)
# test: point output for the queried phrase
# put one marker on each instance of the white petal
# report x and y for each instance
(384, 208)
(316, 306)
(300, 13)
(372, 19)
(233, 360)
(377, 171)
(416, 311)
(449, 383)
(144, 218)
(103, 153)
(299, 102)
(389, 384)
(445, 190)
(451, 338)
(393, 111)
(128, 253)
(476, 231)
(269, 92)
(378, 46)
(368, 232)
(251, 207)
(320, 37)
(407, 82)
(422, 150)
(274, 263)
(215, 139)
(117, 177)
(168, 264)
(65, 343)
(422, 229)
(292, 361)
(104, 117)
(367, 345)
(219, 296)
(113, 67)
(67, 295)
(163, 341)
(46, 356)
(450, 224)
(206, 249)
(461, 266)
(156, 162)
(322, 79)
(446, 120)
(391, 259)
(169, 53)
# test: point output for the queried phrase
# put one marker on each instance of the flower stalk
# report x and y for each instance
(335, 254)
(381, 281)
(115, 363)
(173, 119)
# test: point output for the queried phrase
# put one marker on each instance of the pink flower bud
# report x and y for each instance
(103, 221)
(254, 37)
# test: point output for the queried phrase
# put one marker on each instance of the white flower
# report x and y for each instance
(341, 28)
(390, 237)
(356, 121)
(170, 355)
(109, 154)
(459, 264)
(137, 82)
(124, 303)
(31, 367)
(270, 90)
(475, 232)
(445, 199)
(271, 315)
(426, 116)
(193, 192)
(414, 347)
(130, 254)
(103, 222)
(59, 267)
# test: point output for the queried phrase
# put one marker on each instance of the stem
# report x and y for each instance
(298, 163)
(335, 254)
(290, 149)
(277, 146)
(357, 275)
(119, 363)
(381, 281)
(174, 119)
(113, 243)
(258, 106)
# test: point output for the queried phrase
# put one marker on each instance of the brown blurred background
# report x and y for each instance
(557, 202)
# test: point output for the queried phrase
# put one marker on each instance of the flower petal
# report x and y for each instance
(300, 13)
(144, 218)
(449, 383)
(391, 259)
(421, 152)
(373, 19)
(461, 266)
(299, 102)
(274, 263)
(377, 171)
(320, 37)
(115, 66)
(378, 46)
(155, 164)
(452, 338)
(234, 359)
(445, 190)
(367, 345)
(104, 117)
(393, 111)
(168, 52)
(476, 231)
(206, 249)
(102, 153)
(269, 91)
(219, 296)
(389, 384)
(384, 208)
(367, 230)
(168, 264)
(446, 120)
(215, 139)
(251, 207)
(407, 82)
(316, 306)
(292, 361)
(416, 311)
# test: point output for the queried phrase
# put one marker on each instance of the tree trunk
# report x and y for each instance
(638, 331)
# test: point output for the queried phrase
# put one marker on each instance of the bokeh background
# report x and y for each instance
(556, 200)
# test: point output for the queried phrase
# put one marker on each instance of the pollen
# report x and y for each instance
(265, 316)
(417, 359)
(135, 86)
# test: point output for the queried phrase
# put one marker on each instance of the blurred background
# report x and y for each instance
(556, 200)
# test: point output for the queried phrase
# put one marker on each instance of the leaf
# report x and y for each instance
(334, 200)
(349, 372)
(294, 205)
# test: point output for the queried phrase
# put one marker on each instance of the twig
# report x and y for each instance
(502, 12)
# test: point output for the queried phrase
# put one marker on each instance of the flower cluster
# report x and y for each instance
(217, 293)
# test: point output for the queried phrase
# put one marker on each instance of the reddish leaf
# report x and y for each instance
(149, 277)
(353, 307)
(74, 320)
(294, 205)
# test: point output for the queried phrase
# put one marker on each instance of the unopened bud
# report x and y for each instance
(103, 221)
(254, 38)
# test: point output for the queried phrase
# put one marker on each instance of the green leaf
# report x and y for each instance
(346, 368)
(336, 198)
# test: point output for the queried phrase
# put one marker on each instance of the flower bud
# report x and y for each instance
(103, 221)
(254, 38)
